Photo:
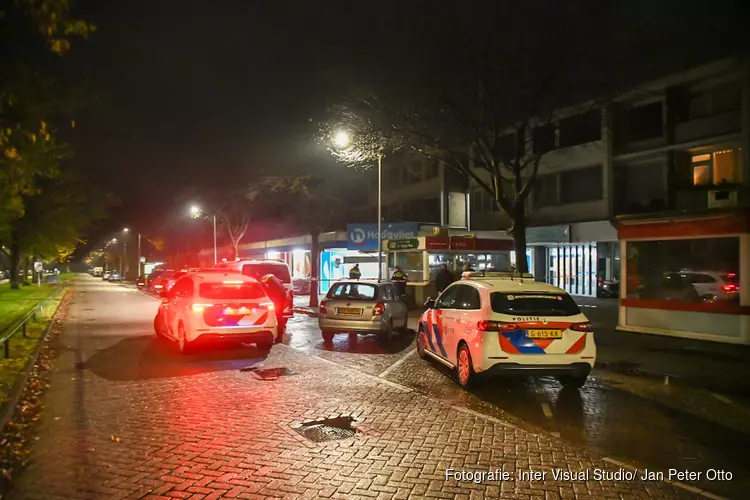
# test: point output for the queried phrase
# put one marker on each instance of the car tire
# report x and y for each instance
(159, 326)
(388, 334)
(464, 367)
(572, 381)
(327, 337)
(421, 343)
(183, 346)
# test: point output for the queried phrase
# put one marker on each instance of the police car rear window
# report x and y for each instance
(536, 304)
(257, 271)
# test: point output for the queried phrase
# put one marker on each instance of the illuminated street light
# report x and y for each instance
(195, 212)
(114, 240)
(126, 230)
(341, 139)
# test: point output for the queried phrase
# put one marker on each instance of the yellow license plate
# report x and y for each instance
(545, 334)
(236, 312)
(349, 310)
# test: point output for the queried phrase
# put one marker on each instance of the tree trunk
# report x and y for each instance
(519, 238)
(314, 269)
(26, 267)
(235, 249)
(15, 261)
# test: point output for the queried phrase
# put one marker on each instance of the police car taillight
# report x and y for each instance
(582, 327)
(378, 309)
(495, 326)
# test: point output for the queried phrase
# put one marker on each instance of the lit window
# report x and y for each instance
(727, 166)
(701, 175)
(701, 158)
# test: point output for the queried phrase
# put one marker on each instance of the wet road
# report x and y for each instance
(186, 420)
(632, 419)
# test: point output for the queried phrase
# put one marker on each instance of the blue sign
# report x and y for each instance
(365, 236)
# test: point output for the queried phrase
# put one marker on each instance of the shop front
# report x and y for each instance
(421, 258)
(687, 277)
(575, 257)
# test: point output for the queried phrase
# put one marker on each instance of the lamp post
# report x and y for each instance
(127, 230)
(341, 140)
(195, 212)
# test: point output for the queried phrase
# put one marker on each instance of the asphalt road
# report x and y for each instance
(127, 416)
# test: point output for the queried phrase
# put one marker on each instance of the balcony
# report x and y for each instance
(694, 199)
(709, 126)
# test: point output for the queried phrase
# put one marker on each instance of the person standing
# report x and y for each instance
(399, 279)
(355, 273)
(275, 290)
(443, 278)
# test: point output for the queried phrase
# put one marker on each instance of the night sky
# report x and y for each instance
(200, 92)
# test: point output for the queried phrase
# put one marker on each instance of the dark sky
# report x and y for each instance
(201, 91)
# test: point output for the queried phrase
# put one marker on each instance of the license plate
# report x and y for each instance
(230, 311)
(544, 334)
(350, 310)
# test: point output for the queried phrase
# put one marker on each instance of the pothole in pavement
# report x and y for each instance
(329, 429)
(269, 373)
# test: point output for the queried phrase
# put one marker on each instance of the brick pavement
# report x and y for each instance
(211, 431)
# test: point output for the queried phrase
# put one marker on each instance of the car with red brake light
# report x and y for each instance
(362, 307)
(499, 323)
(259, 268)
(211, 306)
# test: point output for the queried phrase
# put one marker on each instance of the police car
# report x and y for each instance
(494, 323)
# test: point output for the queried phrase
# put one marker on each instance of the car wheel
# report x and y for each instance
(421, 343)
(182, 343)
(159, 326)
(327, 337)
(573, 382)
(464, 367)
(388, 334)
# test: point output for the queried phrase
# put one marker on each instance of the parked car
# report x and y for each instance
(608, 288)
(115, 276)
(106, 275)
(158, 279)
(362, 307)
(210, 306)
(495, 323)
(141, 282)
(301, 286)
(259, 268)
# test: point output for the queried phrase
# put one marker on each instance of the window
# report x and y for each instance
(720, 98)
(581, 129)
(257, 271)
(353, 291)
(183, 288)
(584, 184)
(545, 190)
(411, 264)
(448, 299)
(468, 297)
(544, 139)
(685, 270)
(231, 291)
(533, 304)
(717, 168)
(645, 122)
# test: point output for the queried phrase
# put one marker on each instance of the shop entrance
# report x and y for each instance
(573, 268)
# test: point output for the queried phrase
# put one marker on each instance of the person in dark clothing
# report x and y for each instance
(443, 278)
(399, 280)
(275, 290)
(355, 273)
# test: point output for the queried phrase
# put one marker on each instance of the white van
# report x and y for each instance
(259, 268)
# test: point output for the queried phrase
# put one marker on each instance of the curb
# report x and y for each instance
(306, 311)
(9, 408)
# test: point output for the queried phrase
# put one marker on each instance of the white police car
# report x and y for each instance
(495, 323)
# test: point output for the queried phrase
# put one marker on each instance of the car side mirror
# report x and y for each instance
(429, 304)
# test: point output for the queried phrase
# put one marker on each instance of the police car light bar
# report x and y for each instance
(495, 274)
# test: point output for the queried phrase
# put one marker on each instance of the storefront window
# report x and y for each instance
(686, 270)
(411, 264)
(435, 260)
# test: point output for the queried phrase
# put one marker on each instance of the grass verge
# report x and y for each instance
(15, 304)
(21, 348)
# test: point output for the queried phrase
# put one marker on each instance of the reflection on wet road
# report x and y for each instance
(628, 418)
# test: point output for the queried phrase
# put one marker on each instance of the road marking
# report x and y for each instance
(723, 399)
(477, 414)
(677, 484)
(397, 363)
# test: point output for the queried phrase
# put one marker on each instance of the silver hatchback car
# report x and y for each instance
(362, 306)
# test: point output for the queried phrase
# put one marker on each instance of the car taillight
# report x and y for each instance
(157, 286)
(731, 287)
(582, 327)
(323, 307)
(496, 326)
(199, 308)
(269, 305)
(378, 309)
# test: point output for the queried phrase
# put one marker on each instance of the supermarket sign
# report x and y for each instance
(364, 237)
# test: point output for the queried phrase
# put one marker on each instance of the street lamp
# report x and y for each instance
(126, 231)
(342, 139)
(195, 212)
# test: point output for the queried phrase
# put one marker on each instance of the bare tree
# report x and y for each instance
(477, 97)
